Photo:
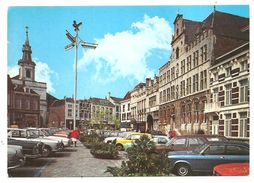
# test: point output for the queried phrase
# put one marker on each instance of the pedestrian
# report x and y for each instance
(172, 134)
(74, 136)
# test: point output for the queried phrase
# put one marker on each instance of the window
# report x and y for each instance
(164, 95)
(180, 141)
(177, 92)
(215, 76)
(172, 92)
(189, 63)
(195, 83)
(228, 94)
(177, 70)
(228, 71)
(201, 81)
(177, 53)
(215, 95)
(189, 85)
(244, 65)
(227, 125)
(243, 125)
(123, 108)
(161, 97)
(168, 75)
(182, 88)
(236, 150)
(129, 106)
(244, 89)
(215, 150)
(203, 54)
(168, 94)
(195, 141)
(69, 112)
(205, 79)
(173, 73)
(28, 73)
(182, 66)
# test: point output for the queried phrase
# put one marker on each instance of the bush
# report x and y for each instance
(105, 151)
(91, 140)
(143, 161)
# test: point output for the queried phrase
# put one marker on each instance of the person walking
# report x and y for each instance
(74, 136)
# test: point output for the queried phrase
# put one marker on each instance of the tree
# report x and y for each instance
(143, 161)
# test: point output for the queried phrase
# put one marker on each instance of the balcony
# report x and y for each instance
(212, 107)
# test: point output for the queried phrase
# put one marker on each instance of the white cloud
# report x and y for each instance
(43, 73)
(125, 54)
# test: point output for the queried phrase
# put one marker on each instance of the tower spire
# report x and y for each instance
(27, 40)
(27, 66)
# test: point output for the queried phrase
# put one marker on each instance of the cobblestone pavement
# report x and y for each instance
(79, 163)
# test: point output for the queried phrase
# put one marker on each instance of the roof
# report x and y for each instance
(116, 99)
(191, 28)
(50, 99)
(57, 103)
(15, 77)
(228, 29)
(140, 85)
(103, 102)
(127, 96)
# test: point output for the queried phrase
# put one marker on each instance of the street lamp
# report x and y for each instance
(75, 41)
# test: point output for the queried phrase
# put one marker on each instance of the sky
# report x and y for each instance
(133, 43)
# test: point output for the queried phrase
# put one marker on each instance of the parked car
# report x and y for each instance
(42, 132)
(160, 141)
(51, 146)
(16, 157)
(119, 142)
(207, 156)
(232, 169)
(110, 139)
(30, 149)
(190, 142)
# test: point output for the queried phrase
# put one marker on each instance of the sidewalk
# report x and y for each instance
(78, 162)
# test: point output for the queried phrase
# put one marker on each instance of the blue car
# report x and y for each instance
(207, 156)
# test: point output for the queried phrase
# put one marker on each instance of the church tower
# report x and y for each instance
(26, 65)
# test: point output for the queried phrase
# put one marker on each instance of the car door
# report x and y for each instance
(210, 157)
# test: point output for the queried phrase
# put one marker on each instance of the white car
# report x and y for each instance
(45, 134)
(29, 135)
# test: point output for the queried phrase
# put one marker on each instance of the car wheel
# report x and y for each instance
(119, 147)
(46, 151)
(182, 169)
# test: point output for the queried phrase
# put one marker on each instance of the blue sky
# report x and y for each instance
(134, 42)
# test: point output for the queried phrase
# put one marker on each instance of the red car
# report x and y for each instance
(232, 169)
